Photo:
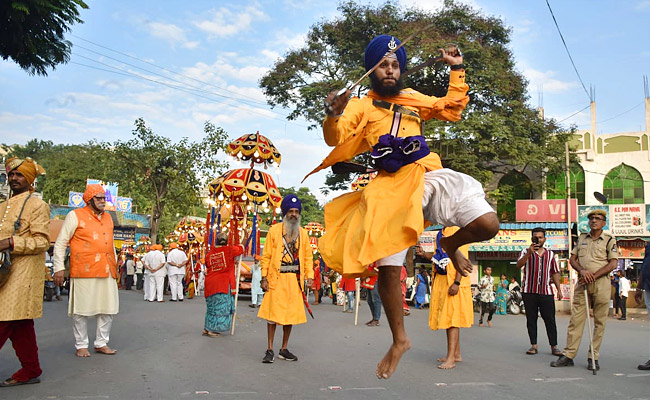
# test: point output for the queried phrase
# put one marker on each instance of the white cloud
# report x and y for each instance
(225, 22)
(642, 5)
(172, 34)
(286, 40)
(547, 81)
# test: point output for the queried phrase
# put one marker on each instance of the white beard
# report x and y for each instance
(291, 228)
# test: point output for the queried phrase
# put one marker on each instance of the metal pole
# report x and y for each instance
(591, 339)
(357, 295)
(568, 218)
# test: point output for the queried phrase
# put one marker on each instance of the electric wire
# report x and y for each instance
(166, 69)
(567, 51)
(616, 116)
(577, 112)
(182, 89)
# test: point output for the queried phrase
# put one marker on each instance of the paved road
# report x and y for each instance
(162, 355)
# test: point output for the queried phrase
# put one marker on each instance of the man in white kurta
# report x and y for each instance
(93, 273)
(176, 261)
(155, 263)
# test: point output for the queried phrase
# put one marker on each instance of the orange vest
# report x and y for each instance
(92, 254)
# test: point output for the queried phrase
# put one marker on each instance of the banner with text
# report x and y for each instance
(622, 219)
(545, 210)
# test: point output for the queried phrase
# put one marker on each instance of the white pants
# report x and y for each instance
(80, 330)
(156, 284)
(176, 286)
(145, 286)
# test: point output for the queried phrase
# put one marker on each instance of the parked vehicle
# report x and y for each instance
(514, 301)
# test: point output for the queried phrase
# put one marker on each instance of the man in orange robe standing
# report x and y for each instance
(93, 269)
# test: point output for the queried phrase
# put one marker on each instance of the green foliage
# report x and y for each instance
(162, 177)
(311, 209)
(499, 131)
(32, 32)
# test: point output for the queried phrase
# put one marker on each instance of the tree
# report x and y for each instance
(159, 175)
(32, 31)
(499, 131)
(171, 174)
(311, 209)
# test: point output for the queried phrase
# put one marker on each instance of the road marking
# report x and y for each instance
(368, 388)
(556, 379)
(473, 384)
(636, 375)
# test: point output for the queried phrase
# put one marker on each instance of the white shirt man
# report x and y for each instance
(176, 261)
(154, 262)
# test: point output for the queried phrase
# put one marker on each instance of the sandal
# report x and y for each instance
(531, 351)
(556, 352)
(12, 382)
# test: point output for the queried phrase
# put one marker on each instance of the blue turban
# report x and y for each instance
(290, 201)
(377, 49)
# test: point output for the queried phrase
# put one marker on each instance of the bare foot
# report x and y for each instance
(490, 324)
(480, 324)
(444, 359)
(389, 363)
(105, 350)
(82, 353)
(447, 365)
(461, 263)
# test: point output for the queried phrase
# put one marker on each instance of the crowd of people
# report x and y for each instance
(369, 235)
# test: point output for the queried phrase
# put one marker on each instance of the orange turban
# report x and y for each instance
(92, 191)
(173, 245)
(27, 167)
(157, 247)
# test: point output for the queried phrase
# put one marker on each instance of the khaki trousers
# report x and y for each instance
(599, 294)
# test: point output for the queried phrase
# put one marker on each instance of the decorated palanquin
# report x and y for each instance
(256, 148)
(256, 185)
(220, 269)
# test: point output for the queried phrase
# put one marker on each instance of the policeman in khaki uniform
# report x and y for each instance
(593, 257)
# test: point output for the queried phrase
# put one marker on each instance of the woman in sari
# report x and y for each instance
(220, 287)
(421, 289)
(502, 292)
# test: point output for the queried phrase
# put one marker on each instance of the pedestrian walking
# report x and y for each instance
(486, 286)
(624, 290)
(176, 262)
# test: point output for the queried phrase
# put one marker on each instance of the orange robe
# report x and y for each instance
(386, 217)
(447, 311)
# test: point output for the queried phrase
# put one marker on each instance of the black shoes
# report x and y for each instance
(285, 354)
(590, 365)
(644, 367)
(622, 319)
(269, 357)
(563, 361)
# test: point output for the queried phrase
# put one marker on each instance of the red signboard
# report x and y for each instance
(545, 210)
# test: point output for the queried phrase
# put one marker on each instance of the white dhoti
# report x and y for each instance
(93, 297)
(145, 286)
(450, 199)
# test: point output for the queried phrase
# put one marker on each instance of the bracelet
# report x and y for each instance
(457, 283)
(457, 67)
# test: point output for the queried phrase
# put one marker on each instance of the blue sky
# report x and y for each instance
(221, 49)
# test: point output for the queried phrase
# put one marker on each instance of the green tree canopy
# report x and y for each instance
(311, 209)
(32, 32)
(499, 131)
(162, 177)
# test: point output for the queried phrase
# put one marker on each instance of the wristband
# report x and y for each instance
(457, 283)
(457, 67)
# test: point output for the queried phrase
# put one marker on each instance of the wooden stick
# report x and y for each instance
(357, 284)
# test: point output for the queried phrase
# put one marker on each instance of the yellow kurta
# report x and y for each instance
(386, 217)
(447, 311)
(283, 303)
(22, 296)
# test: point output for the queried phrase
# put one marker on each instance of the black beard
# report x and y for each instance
(385, 91)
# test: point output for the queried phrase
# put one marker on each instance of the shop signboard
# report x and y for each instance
(545, 210)
(76, 199)
(505, 240)
(622, 219)
(428, 241)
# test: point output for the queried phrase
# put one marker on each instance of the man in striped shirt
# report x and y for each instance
(539, 269)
